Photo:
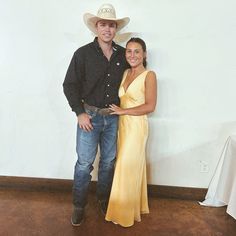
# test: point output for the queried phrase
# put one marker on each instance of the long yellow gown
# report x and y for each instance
(128, 198)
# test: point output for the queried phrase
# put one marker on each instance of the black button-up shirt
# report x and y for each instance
(92, 79)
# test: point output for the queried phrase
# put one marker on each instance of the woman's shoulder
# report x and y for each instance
(151, 74)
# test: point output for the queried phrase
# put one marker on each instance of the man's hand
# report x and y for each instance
(84, 121)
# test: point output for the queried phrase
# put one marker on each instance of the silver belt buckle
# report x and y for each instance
(104, 111)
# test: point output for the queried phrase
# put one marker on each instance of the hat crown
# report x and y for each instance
(106, 11)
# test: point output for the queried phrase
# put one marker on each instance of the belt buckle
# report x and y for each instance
(101, 111)
(104, 111)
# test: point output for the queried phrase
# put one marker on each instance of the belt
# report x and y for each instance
(100, 111)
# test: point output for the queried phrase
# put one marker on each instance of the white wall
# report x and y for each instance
(191, 45)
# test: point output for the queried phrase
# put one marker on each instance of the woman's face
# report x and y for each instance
(134, 54)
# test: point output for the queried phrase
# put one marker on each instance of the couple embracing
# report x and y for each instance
(111, 92)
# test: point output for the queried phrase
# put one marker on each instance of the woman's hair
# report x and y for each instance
(143, 45)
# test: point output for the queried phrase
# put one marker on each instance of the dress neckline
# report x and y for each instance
(125, 90)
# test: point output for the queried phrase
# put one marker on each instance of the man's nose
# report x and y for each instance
(107, 27)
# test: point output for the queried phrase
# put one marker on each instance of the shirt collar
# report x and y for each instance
(97, 46)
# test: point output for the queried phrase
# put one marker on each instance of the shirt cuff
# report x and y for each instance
(79, 110)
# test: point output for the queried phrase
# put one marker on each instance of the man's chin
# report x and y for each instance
(107, 39)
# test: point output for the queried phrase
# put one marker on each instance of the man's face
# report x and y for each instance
(106, 30)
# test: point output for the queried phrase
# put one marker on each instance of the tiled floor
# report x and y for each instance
(25, 213)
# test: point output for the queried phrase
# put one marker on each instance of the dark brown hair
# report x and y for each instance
(143, 45)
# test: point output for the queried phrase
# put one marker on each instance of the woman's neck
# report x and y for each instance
(134, 71)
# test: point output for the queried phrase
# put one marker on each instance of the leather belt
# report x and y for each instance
(100, 111)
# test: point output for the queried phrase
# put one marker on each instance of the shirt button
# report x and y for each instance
(107, 95)
(108, 85)
(108, 74)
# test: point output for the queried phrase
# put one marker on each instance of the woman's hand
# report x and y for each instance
(116, 110)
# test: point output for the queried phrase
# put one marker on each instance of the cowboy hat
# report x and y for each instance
(105, 12)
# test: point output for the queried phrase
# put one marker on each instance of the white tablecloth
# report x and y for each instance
(222, 188)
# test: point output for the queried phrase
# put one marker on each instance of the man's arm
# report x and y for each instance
(72, 85)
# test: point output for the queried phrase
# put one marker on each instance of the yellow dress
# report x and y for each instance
(128, 198)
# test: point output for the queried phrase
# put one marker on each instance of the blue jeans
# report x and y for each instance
(104, 134)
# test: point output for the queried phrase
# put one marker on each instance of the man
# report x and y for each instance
(91, 85)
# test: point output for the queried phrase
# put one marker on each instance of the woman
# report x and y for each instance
(138, 93)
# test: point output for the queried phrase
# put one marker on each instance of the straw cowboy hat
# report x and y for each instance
(105, 12)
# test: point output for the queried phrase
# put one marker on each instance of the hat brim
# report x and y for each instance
(90, 20)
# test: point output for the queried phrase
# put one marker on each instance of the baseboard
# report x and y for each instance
(185, 193)
(44, 184)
